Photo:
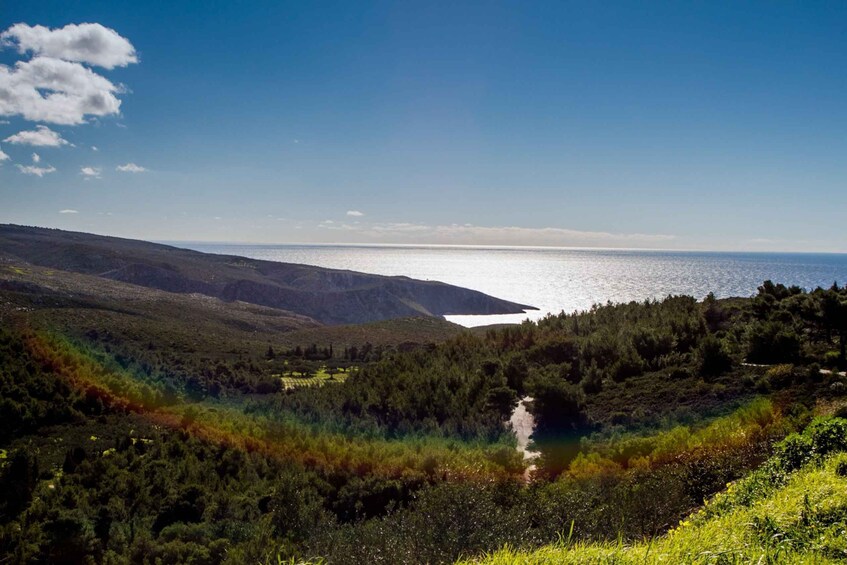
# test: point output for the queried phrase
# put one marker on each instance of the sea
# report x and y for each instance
(558, 280)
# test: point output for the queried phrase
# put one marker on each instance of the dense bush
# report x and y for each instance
(713, 358)
(633, 402)
(773, 342)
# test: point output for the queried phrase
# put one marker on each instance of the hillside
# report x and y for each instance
(328, 296)
(75, 303)
(777, 514)
(138, 323)
(234, 433)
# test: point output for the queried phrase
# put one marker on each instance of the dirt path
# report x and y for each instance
(822, 371)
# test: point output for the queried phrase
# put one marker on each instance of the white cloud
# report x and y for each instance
(131, 168)
(355, 213)
(37, 171)
(88, 43)
(3, 156)
(90, 172)
(68, 211)
(41, 136)
(36, 158)
(54, 86)
(55, 91)
(94, 148)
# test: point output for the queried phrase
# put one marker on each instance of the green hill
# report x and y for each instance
(329, 296)
(777, 514)
(148, 425)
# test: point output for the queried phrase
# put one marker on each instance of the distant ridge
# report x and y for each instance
(329, 296)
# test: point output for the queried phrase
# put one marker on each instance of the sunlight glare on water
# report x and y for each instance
(555, 280)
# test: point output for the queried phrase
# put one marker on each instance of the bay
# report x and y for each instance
(556, 279)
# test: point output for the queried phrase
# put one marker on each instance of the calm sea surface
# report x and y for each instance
(554, 280)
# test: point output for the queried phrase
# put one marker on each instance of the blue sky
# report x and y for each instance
(670, 125)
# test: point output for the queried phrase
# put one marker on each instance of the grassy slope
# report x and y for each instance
(330, 296)
(801, 522)
(188, 323)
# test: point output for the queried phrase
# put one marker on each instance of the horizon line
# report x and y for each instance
(491, 246)
(177, 242)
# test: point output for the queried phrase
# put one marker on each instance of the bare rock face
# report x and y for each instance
(330, 296)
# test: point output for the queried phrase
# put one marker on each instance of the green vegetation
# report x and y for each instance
(792, 510)
(324, 375)
(302, 293)
(157, 438)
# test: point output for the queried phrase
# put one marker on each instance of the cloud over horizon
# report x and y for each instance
(90, 172)
(468, 234)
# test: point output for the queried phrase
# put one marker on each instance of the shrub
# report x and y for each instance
(831, 359)
(680, 373)
(822, 437)
(592, 382)
(652, 345)
(713, 357)
(773, 342)
(619, 418)
(780, 376)
(558, 405)
(794, 451)
(828, 435)
(629, 365)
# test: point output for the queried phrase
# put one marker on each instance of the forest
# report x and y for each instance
(116, 450)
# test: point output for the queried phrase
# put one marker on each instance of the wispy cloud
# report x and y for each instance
(36, 158)
(37, 171)
(355, 213)
(3, 156)
(68, 211)
(41, 136)
(468, 234)
(131, 168)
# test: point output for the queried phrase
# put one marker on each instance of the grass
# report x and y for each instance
(294, 379)
(804, 522)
